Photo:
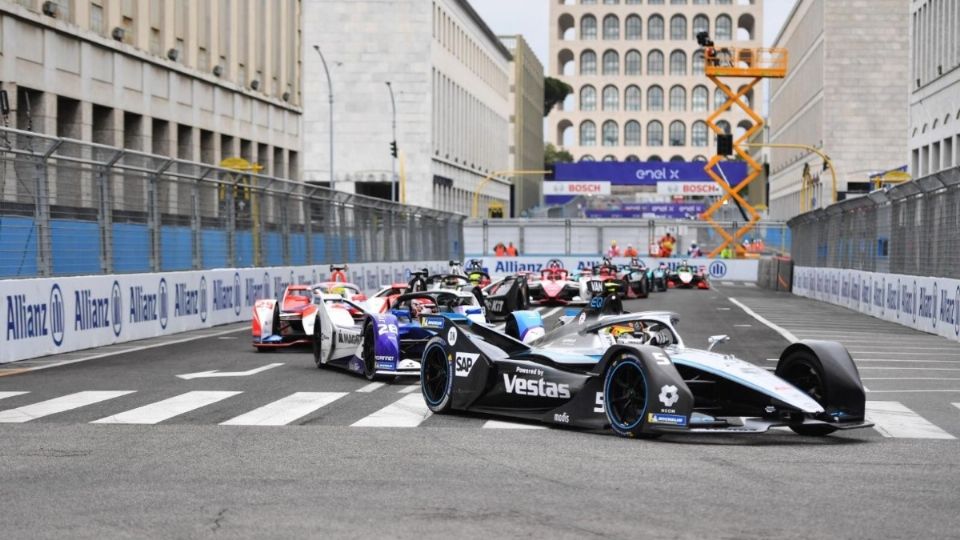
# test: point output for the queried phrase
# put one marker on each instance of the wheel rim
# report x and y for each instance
(626, 395)
(435, 374)
(805, 377)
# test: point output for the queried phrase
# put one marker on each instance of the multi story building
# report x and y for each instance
(450, 78)
(526, 121)
(934, 130)
(844, 94)
(201, 81)
(637, 74)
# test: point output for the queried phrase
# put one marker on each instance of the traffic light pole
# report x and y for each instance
(393, 170)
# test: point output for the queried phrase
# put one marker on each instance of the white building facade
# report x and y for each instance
(844, 93)
(935, 86)
(637, 72)
(450, 78)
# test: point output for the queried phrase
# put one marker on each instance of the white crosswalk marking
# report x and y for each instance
(11, 394)
(59, 405)
(370, 387)
(164, 410)
(894, 419)
(409, 389)
(286, 410)
(408, 411)
(500, 424)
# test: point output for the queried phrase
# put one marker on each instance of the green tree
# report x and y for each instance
(554, 91)
(552, 154)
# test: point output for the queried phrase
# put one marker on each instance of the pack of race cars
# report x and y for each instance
(598, 368)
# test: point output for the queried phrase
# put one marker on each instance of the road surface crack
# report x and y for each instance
(218, 519)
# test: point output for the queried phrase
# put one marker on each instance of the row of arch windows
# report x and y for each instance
(633, 62)
(676, 133)
(632, 157)
(633, 98)
(609, 28)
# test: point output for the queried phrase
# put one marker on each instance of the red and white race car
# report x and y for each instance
(382, 300)
(280, 323)
(348, 291)
(554, 285)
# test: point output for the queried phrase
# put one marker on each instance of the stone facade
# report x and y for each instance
(450, 76)
(844, 93)
(526, 135)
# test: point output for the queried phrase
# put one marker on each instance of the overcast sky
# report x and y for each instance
(530, 18)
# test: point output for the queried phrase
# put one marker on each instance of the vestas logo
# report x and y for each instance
(27, 320)
(163, 302)
(116, 305)
(718, 269)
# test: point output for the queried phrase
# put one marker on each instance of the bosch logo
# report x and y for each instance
(162, 297)
(116, 308)
(718, 269)
(203, 299)
(57, 315)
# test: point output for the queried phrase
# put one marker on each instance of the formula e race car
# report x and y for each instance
(504, 296)
(633, 374)
(280, 323)
(688, 277)
(657, 277)
(476, 274)
(635, 277)
(554, 285)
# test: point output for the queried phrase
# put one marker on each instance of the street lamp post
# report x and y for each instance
(393, 170)
(330, 92)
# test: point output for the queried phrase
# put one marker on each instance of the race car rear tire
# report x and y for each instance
(369, 356)
(316, 344)
(625, 396)
(802, 371)
(436, 381)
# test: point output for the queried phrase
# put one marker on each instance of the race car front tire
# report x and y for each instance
(316, 344)
(625, 396)
(369, 356)
(274, 328)
(800, 369)
(436, 381)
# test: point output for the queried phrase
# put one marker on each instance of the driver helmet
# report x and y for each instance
(683, 262)
(693, 245)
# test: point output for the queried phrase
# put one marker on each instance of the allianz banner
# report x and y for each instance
(725, 269)
(54, 315)
(928, 304)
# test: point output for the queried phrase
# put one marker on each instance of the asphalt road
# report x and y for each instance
(186, 476)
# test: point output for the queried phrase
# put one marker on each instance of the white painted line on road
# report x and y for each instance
(58, 405)
(743, 326)
(957, 405)
(500, 424)
(782, 331)
(910, 368)
(905, 353)
(124, 351)
(409, 389)
(749, 284)
(728, 283)
(4, 395)
(909, 361)
(909, 379)
(893, 419)
(539, 309)
(226, 337)
(370, 387)
(218, 373)
(937, 391)
(286, 410)
(155, 413)
(408, 411)
(551, 312)
(723, 309)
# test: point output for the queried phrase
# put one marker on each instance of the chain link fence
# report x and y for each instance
(69, 207)
(590, 237)
(913, 229)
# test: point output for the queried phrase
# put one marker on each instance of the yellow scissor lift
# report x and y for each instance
(750, 63)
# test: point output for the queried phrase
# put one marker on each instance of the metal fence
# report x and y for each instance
(912, 229)
(69, 207)
(588, 237)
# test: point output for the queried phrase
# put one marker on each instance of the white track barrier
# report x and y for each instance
(929, 304)
(725, 269)
(54, 315)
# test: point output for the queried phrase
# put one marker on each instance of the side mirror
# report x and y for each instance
(716, 340)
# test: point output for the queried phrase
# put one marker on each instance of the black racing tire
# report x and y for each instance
(369, 356)
(316, 343)
(436, 378)
(800, 369)
(625, 397)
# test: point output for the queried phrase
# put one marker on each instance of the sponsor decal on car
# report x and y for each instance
(496, 305)
(535, 387)
(348, 338)
(669, 395)
(452, 336)
(671, 419)
(464, 363)
(561, 418)
(431, 322)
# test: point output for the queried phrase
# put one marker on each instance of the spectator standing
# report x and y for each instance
(499, 250)
(630, 251)
(511, 250)
(614, 251)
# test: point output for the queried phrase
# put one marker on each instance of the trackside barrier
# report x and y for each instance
(726, 269)
(776, 273)
(929, 304)
(55, 315)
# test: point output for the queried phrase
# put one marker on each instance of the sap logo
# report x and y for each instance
(90, 312)
(718, 269)
(143, 306)
(512, 267)
(253, 291)
(535, 387)
(562, 418)
(927, 304)
(186, 301)
(27, 320)
(464, 362)
(347, 338)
